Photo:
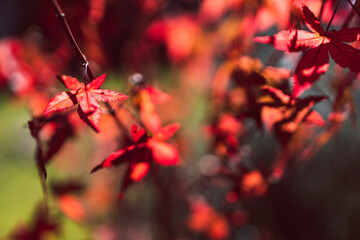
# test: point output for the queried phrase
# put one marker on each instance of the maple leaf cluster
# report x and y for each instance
(319, 44)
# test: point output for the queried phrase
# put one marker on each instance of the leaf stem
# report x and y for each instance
(332, 17)
(351, 13)
(354, 8)
(86, 67)
(61, 15)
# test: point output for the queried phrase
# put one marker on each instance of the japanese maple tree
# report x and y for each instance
(245, 126)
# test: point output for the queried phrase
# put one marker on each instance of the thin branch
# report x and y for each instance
(40, 162)
(354, 8)
(351, 13)
(61, 15)
(44, 191)
(332, 17)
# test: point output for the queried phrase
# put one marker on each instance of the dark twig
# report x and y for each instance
(351, 14)
(332, 17)
(61, 15)
(40, 164)
(354, 8)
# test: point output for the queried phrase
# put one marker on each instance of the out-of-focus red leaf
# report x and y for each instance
(140, 155)
(284, 114)
(292, 121)
(97, 9)
(277, 95)
(133, 155)
(146, 98)
(229, 125)
(72, 207)
(206, 220)
(156, 95)
(164, 153)
(148, 112)
(62, 130)
(157, 32)
(16, 73)
(315, 118)
(178, 33)
(308, 101)
(138, 134)
(139, 171)
(115, 158)
(225, 132)
(253, 184)
(249, 81)
(212, 10)
(150, 118)
(165, 133)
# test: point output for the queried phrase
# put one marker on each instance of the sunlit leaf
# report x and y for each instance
(89, 109)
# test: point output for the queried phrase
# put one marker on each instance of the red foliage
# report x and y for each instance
(315, 61)
(207, 220)
(142, 154)
(204, 56)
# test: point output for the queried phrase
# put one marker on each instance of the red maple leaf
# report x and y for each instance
(289, 113)
(146, 99)
(87, 96)
(315, 61)
(142, 153)
(290, 120)
(225, 133)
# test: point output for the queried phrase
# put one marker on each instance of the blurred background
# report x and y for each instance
(200, 53)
